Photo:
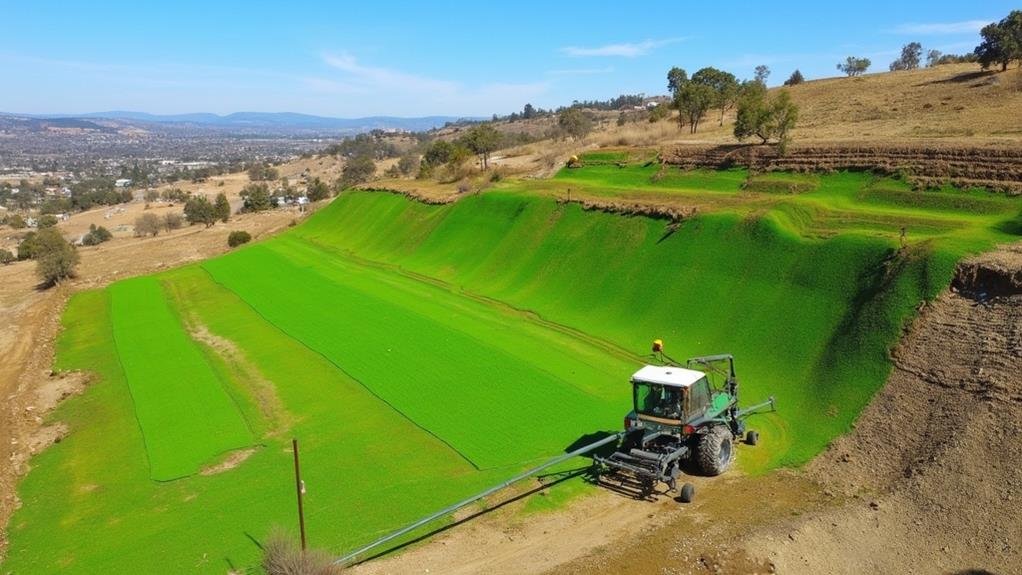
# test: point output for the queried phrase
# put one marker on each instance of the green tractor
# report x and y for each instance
(680, 420)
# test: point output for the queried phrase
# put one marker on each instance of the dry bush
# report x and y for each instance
(281, 556)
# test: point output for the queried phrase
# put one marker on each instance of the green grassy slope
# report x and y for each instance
(423, 352)
(89, 505)
(498, 395)
(187, 417)
(809, 294)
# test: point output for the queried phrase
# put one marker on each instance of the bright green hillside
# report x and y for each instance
(423, 352)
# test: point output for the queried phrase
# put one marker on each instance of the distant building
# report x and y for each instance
(122, 183)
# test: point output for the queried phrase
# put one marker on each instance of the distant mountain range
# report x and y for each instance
(250, 122)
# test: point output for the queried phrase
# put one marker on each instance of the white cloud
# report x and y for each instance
(623, 50)
(386, 78)
(580, 71)
(416, 94)
(941, 28)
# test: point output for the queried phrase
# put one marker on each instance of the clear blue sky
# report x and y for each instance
(426, 58)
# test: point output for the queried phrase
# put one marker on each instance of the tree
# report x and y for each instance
(262, 172)
(795, 79)
(222, 208)
(256, 198)
(407, 164)
(528, 112)
(724, 86)
(692, 101)
(659, 112)
(766, 117)
(151, 196)
(933, 58)
(147, 225)
(482, 139)
(853, 66)
(96, 236)
(238, 237)
(56, 259)
(6, 257)
(1002, 42)
(358, 170)
(762, 72)
(173, 221)
(438, 153)
(317, 190)
(911, 54)
(198, 210)
(676, 77)
(575, 123)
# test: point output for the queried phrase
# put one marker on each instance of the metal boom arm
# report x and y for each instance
(452, 508)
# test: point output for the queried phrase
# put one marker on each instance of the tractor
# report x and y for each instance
(680, 421)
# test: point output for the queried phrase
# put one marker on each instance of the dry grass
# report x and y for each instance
(959, 102)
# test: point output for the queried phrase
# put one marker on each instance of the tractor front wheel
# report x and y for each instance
(716, 451)
(688, 492)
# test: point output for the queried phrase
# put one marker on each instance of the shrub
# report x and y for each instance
(173, 221)
(17, 222)
(147, 225)
(281, 556)
(6, 257)
(47, 221)
(56, 259)
(238, 237)
(96, 236)
(318, 190)
(28, 247)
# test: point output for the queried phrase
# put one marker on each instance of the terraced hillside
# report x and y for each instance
(421, 352)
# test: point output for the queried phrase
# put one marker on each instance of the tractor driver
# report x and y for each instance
(666, 401)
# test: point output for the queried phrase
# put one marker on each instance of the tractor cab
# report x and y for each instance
(668, 396)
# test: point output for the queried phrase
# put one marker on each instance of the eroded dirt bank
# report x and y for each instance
(996, 167)
(936, 459)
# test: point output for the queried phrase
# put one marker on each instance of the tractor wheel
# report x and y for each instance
(752, 438)
(688, 492)
(715, 451)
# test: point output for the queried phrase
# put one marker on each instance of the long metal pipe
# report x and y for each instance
(452, 508)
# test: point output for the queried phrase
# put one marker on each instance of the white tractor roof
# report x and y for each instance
(668, 375)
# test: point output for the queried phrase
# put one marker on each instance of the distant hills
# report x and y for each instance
(248, 122)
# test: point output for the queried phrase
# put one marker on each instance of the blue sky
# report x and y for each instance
(426, 58)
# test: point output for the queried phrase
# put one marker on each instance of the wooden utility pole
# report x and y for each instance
(300, 489)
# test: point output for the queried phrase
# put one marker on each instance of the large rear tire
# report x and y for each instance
(716, 451)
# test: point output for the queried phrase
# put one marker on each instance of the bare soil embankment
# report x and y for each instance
(995, 167)
(933, 463)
